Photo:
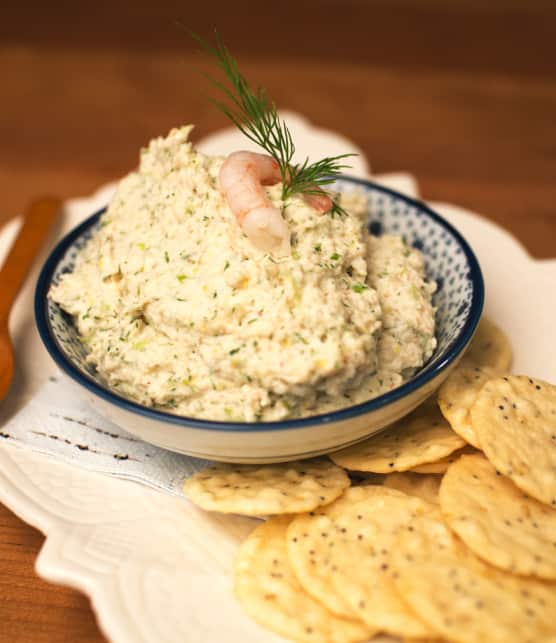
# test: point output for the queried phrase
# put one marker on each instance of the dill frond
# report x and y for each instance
(256, 116)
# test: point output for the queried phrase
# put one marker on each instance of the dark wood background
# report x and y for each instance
(462, 93)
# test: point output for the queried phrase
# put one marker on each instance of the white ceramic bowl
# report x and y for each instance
(459, 301)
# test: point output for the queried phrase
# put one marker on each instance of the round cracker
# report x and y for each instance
(433, 468)
(415, 484)
(457, 395)
(464, 599)
(514, 418)
(490, 347)
(423, 436)
(260, 490)
(500, 523)
(269, 592)
(341, 556)
(441, 466)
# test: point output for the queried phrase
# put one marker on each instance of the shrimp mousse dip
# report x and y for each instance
(204, 293)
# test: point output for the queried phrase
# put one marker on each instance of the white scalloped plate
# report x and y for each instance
(155, 567)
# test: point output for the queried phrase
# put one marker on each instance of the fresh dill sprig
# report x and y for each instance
(256, 116)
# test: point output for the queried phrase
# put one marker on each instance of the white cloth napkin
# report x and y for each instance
(56, 422)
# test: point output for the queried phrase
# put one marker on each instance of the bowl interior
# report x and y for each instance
(449, 262)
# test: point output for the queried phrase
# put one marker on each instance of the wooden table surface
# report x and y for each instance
(461, 93)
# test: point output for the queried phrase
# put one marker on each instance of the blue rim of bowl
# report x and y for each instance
(427, 374)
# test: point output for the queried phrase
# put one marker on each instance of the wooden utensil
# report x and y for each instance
(37, 221)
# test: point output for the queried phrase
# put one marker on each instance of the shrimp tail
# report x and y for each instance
(321, 202)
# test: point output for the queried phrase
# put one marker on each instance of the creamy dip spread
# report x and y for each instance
(180, 311)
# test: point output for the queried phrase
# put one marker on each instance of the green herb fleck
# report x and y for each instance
(359, 288)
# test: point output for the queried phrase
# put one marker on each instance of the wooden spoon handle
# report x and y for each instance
(37, 221)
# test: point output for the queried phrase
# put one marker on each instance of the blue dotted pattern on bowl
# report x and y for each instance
(449, 262)
(61, 324)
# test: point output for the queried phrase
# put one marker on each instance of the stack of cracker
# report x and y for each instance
(440, 528)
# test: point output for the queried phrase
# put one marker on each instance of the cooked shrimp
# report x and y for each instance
(242, 179)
